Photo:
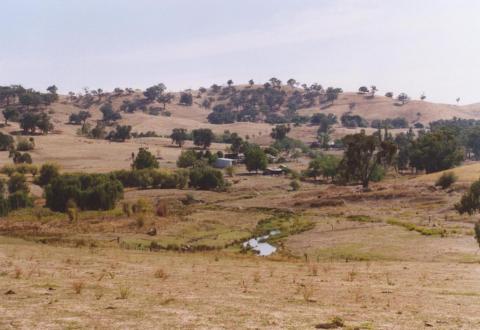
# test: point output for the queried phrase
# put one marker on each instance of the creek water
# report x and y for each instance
(259, 245)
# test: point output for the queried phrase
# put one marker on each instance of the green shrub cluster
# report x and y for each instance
(206, 178)
(152, 178)
(87, 191)
(446, 180)
(14, 194)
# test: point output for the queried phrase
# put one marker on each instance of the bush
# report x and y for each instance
(255, 158)
(48, 172)
(88, 191)
(144, 159)
(353, 121)
(152, 178)
(446, 180)
(19, 199)
(16, 183)
(206, 178)
(294, 185)
(8, 169)
(19, 158)
(378, 174)
(25, 145)
(4, 206)
(6, 142)
(230, 170)
(187, 159)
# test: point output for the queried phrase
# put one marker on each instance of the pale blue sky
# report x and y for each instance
(429, 46)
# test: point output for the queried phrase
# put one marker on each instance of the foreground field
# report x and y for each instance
(397, 257)
(59, 288)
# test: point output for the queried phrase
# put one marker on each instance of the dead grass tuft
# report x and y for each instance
(307, 292)
(17, 273)
(78, 286)
(124, 292)
(160, 273)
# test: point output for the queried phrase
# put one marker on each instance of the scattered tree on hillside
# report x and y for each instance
(79, 118)
(389, 94)
(291, 82)
(403, 98)
(186, 98)
(436, 151)
(255, 158)
(121, 133)
(203, 137)
(165, 98)
(52, 89)
(363, 89)
(43, 123)
(324, 165)
(10, 113)
(109, 115)
(179, 136)
(279, 132)
(332, 94)
(153, 92)
(28, 122)
(363, 154)
(353, 121)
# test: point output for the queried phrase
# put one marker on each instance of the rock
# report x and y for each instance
(10, 292)
(152, 231)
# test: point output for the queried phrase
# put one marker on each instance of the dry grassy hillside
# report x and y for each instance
(79, 153)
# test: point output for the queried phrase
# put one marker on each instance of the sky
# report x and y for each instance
(421, 46)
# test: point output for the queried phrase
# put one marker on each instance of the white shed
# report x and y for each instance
(223, 162)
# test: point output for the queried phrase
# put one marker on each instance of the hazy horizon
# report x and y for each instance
(400, 47)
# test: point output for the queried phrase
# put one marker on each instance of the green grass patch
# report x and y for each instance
(287, 223)
(426, 231)
(36, 214)
(351, 252)
(362, 218)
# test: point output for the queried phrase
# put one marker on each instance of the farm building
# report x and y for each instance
(223, 162)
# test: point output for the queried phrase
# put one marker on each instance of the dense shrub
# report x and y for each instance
(436, 151)
(144, 159)
(25, 145)
(19, 158)
(6, 142)
(17, 182)
(4, 206)
(446, 180)
(206, 178)
(87, 191)
(191, 158)
(255, 158)
(18, 200)
(353, 121)
(152, 178)
(398, 122)
(48, 172)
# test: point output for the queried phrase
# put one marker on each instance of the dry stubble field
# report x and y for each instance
(394, 258)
